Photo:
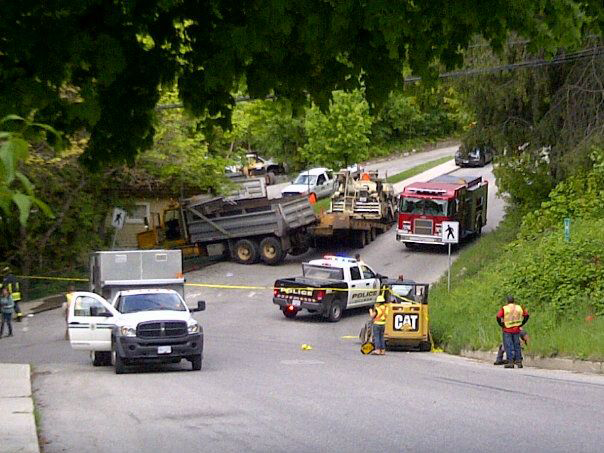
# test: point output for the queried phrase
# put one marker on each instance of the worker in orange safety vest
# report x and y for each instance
(511, 317)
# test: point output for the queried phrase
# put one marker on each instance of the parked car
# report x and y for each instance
(478, 156)
(318, 181)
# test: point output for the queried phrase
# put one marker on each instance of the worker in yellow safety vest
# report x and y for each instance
(511, 317)
(379, 314)
(14, 289)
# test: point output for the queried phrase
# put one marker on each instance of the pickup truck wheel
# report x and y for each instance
(117, 361)
(271, 251)
(100, 358)
(335, 312)
(245, 251)
(409, 245)
(289, 314)
(196, 362)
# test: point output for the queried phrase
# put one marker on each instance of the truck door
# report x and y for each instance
(90, 321)
(357, 287)
(371, 283)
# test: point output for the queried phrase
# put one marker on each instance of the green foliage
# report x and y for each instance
(99, 65)
(180, 156)
(578, 196)
(340, 136)
(16, 190)
(428, 113)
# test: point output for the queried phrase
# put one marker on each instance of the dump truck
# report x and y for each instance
(246, 229)
(423, 206)
(363, 206)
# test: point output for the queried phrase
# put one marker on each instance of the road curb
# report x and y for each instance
(18, 433)
(549, 363)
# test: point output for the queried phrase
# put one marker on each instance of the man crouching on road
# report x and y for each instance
(511, 317)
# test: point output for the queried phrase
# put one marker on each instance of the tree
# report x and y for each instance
(16, 190)
(99, 65)
(340, 136)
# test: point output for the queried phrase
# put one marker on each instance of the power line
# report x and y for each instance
(567, 58)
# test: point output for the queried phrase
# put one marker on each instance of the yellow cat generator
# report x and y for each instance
(408, 322)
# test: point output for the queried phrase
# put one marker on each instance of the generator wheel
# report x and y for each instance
(367, 348)
(245, 251)
(271, 251)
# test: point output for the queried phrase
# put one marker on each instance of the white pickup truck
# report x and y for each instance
(141, 325)
(328, 286)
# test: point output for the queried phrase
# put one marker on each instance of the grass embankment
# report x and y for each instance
(323, 204)
(558, 281)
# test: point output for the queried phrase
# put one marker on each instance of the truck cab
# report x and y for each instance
(424, 206)
(328, 286)
(140, 325)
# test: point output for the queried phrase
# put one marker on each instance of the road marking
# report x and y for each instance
(349, 337)
(302, 362)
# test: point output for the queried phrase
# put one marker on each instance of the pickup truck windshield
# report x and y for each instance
(306, 180)
(326, 273)
(423, 206)
(149, 302)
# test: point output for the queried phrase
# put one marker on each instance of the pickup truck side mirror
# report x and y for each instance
(201, 306)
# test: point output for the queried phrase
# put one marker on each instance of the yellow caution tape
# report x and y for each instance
(66, 279)
(208, 285)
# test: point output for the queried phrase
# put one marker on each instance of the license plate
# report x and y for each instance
(296, 302)
(164, 349)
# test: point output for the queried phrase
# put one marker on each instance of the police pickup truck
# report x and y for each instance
(327, 286)
(140, 325)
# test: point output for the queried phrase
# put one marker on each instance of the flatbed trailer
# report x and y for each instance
(362, 207)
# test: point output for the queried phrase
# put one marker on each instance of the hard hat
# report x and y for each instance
(380, 299)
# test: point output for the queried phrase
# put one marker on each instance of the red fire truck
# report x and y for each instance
(423, 206)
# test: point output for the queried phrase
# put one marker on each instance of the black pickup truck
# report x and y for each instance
(327, 286)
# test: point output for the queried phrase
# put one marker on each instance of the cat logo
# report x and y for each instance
(406, 322)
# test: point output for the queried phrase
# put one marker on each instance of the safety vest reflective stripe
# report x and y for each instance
(16, 294)
(512, 315)
(381, 313)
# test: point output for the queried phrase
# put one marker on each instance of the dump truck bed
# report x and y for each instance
(218, 220)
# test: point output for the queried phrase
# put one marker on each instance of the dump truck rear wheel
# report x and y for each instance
(271, 251)
(245, 251)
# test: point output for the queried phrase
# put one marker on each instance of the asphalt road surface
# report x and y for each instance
(259, 391)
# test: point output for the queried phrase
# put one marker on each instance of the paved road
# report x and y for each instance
(258, 391)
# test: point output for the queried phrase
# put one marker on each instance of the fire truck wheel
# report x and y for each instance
(245, 251)
(289, 314)
(271, 251)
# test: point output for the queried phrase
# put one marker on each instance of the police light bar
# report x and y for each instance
(341, 259)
